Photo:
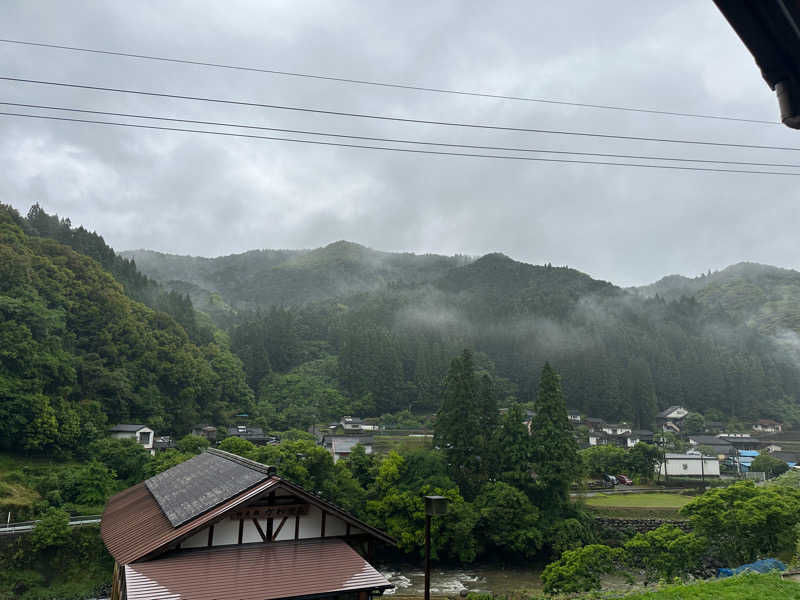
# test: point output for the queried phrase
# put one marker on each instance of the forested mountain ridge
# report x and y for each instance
(766, 297)
(622, 354)
(77, 354)
(289, 277)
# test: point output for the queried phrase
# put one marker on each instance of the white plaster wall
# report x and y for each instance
(250, 533)
(334, 526)
(287, 533)
(311, 523)
(226, 532)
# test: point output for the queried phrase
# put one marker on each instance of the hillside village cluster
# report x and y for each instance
(713, 453)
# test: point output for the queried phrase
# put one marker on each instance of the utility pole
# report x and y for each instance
(434, 505)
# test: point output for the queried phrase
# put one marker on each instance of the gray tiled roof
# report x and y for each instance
(202, 482)
(127, 427)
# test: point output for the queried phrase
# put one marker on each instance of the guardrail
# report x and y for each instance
(26, 526)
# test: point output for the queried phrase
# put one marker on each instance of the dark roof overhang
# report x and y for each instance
(771, 31)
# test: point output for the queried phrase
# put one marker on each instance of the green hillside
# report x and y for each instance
(289, 277)
(76, 353)
(765, 297)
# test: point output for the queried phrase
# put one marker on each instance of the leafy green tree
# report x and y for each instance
(192, 444)
(599, 460)
(51, 531)
(555, 451)
(97, 482)
(507, 521)
(693, 423)
(643, 459)
(580, 570)
(361, 465)
(166, 460)
(124, 457)
(769, 464)
(666, 552)
(743, 522)
(237, 445)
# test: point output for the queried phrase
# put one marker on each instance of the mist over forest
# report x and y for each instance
(724, 344)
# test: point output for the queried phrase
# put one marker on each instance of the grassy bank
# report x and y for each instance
(743, 587)
(637, 506)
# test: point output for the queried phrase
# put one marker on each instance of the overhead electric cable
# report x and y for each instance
(384, 84)
(391, 149)
(388, 118)
(398, 140)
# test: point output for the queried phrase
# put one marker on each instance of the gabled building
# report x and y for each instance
(340, 446)
(221, 526)
(671, 418)
(594, 424)
(255, 435)
(767, 426)
(142, 434)
(721, 448)
(574, 416)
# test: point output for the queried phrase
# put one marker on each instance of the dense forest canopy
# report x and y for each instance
(77, 354)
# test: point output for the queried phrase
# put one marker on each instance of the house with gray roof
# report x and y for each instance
(222, 526)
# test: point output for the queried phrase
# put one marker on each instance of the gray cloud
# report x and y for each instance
(208, 195)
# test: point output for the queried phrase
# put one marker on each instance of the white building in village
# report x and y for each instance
(141, 434)
(691, 464)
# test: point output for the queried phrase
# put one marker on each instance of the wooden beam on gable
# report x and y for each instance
(260, 531)
(322, 527)
(278, 530)
(241, 530)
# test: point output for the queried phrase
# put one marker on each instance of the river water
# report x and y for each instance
(409, 580)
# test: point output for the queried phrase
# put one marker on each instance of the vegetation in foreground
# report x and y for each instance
(747, 586)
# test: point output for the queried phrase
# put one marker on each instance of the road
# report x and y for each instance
(27, 526)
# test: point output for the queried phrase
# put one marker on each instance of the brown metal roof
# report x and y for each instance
(133, 524)
(254, 572)
(147, 518)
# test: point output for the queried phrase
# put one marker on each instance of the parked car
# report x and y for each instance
(624, 480)
(610, 480)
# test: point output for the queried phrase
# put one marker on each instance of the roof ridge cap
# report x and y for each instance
(246, 462)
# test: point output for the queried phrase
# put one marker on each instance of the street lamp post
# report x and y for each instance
(434, 505)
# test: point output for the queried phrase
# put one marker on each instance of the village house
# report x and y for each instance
(767, 426)
(221, 526)
(142, 434)
(251, 434)
(722, 449)
(340, 446)
(207, 431)
(691, 464)
(671, 418)
(574, 416)
(594, 424)
(625, 439)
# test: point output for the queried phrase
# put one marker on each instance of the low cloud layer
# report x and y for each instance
(210, 195)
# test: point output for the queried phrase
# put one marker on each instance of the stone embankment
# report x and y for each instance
(639, 525)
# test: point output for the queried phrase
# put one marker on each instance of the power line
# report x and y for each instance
(387, 118)
(398, 140)
(391, 149)
(401, 86)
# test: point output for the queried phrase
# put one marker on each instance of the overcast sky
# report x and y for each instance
(211, 195)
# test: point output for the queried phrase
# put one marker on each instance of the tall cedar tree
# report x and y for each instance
(466, 423)
(555, 451)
